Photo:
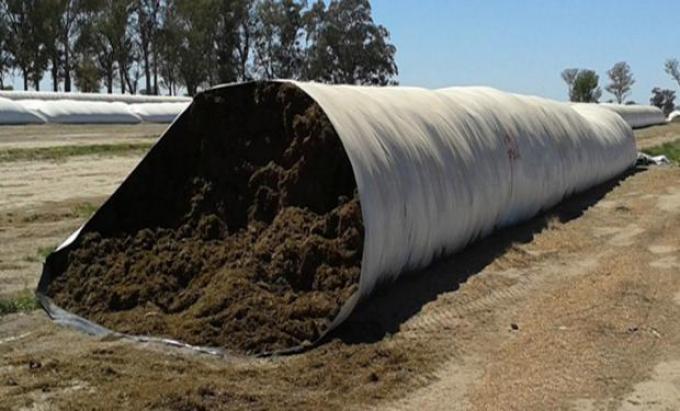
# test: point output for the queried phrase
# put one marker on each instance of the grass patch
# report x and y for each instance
(84, 210)
(58, 153)
(40, 255)
(670, 150)
(22, 302)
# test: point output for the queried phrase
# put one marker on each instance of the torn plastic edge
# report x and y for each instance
(647, 160)
(74, 321)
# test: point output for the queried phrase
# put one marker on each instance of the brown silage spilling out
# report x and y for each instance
(241, 229)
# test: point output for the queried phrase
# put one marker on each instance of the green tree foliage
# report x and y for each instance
(191, 44)
(95, 44)
(586, 87)
(87, 76)
(672, 68)
(569, 77)
(147, 14)
(5, 57)
(61, 23)
(234, 37)
(347, 46)
(168, 42)
(194, 23)
(582, 84)
(664, 99)
(622, 81)
(279, 32)
(26, 37)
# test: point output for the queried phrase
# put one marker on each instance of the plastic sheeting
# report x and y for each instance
(13, 113)
(158, 112)
(637, 115)
(123, 98)
(674, 117)
(438, 169)
(82, 112)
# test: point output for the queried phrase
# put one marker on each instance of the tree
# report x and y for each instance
(672, 67)
(168, 43)
(5, 58)
(346, 46)
(147, 12)
(569, 77)
(227, 37)
(194, 23)
(583, 85)
(245, 15)
(192, 43)
(279, 52)
(25, 23)
(87, 76)
(621, 81)
(62, 25)
(664, 99)
(94, 44)
(118, 19)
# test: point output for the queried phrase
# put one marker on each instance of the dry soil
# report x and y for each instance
(576, 309)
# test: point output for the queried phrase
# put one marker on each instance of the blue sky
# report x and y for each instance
(523, 45)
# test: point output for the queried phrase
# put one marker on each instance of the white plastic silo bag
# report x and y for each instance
(14, 113)
(158, 112)
(638, 115)
(82, 112)
(438, 169)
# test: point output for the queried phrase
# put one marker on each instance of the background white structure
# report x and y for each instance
(82, 112)
(437, 169)
(638, 115)
(124, 98)
(83, 108)
(13, 113)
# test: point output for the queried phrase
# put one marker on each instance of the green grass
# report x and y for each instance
(21, 302)
(670, 150)
(40, 255)
(58, 153)
(84, 210)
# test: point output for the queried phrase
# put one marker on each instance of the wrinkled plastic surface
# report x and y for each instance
(82, 112)
(13, 113)
(438, 169)
(674, 117)
(124, 98)
(638, 115)
(158, 112)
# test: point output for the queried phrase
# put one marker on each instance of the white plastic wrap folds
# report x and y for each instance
(638, 115)
(674, 117)
(83, 108)
(438, 169)
(158, 112)
(13, 113)
(123, 98)
(82, 112)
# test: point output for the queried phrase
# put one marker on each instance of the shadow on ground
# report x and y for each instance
(394, 304)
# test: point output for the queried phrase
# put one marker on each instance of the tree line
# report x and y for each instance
(583, 85)
(187, 45)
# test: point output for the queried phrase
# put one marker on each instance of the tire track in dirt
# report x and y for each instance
(548, 278)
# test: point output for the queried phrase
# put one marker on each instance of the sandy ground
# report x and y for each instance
(41, 202)
(657, 135)
(576, 309)
(67, 134)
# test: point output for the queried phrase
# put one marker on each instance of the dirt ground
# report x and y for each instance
(576, 309)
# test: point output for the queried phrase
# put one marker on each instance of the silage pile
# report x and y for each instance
(247, 233)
